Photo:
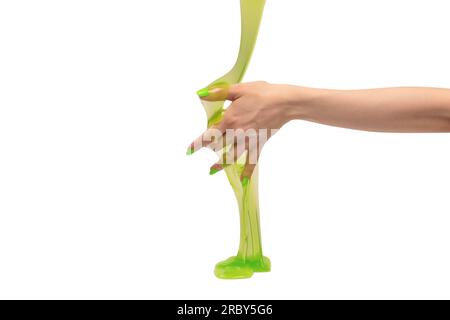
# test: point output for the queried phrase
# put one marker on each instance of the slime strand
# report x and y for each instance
(249, 258)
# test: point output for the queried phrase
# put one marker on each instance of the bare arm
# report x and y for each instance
(260, 105)
(387, 109)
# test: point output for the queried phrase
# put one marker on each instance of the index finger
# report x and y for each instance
(210, 135)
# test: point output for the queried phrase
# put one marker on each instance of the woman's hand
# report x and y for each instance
(257, 111)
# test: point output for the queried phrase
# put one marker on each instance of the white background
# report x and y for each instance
(98, 105)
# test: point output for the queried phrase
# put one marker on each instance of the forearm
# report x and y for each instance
(388, 109)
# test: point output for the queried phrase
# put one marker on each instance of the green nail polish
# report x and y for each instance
(245, 181)
(190, 151)
(213, 171)
(203, 92)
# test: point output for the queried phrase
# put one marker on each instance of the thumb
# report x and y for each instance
(220, 92)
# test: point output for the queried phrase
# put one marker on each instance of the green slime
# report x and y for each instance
(249, 258)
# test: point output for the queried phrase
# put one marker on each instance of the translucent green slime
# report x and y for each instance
(249, 258)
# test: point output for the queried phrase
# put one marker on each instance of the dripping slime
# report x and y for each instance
(249, 258)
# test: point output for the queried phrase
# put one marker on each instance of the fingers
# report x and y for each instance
(218, 144)
(228, 157)
(211, 135)
(216, 140)
(234, 156)
(231, 153)
(252, 158)
(247, 173)
(220, 92)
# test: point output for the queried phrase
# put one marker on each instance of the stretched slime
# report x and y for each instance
(249, 258)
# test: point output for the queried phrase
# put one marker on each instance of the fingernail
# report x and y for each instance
(203, 92)
(214, 169)
(190, 151)
(245, 181)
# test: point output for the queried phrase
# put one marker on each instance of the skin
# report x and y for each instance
(261, 105)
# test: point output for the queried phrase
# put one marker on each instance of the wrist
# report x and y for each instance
(301, 103)
(295, 101)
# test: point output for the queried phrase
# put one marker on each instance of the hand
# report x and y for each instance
(255, 114)
(258, 109)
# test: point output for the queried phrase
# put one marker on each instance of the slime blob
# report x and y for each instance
(249, 258)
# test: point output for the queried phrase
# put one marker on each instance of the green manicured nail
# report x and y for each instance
(215, 168)
(190, 151)
(245, 181)
(203, 92)
(213, 171)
